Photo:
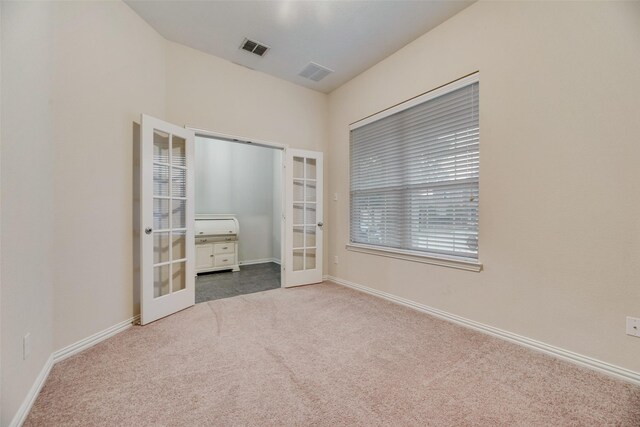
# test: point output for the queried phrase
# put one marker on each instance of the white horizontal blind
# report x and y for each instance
(414, 177)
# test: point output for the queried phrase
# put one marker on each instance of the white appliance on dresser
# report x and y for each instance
(216, 243)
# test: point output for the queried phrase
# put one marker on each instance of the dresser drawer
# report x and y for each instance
(224, 259)
(224, 248)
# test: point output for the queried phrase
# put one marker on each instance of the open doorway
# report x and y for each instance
(238, 209)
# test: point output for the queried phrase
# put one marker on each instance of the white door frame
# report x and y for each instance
(261, 143)
(286, 150)
(155, 307)
(304, 275)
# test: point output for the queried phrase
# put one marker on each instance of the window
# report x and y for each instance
(414, 175)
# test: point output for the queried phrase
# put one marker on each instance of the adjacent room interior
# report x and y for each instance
(238, 185)
(440, 197)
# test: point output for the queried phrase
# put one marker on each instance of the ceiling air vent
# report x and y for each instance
(315, 72)
(254, 47)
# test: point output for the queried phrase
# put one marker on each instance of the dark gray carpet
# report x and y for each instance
(225, 284)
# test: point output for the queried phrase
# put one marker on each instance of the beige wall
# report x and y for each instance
(210, 93)
(27, 199)
(79, 74)
(559, 199)
(108, 68)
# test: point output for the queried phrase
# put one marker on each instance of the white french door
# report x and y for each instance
(303, 218)
(167, 219)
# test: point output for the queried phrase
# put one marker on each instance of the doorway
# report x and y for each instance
(167, 224)
(243, 182)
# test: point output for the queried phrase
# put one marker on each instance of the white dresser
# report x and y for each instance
(217, 238)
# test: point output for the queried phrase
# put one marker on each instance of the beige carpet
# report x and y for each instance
(322, 355)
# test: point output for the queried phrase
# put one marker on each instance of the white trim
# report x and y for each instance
(20, 416)
(210, 134)
(214, 216)
(58, 356)
(442, 90)
(578, 359)
(92, 340)
(415, 256)
(259, 261)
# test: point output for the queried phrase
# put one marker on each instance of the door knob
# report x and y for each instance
(148, 230)
(320, 224)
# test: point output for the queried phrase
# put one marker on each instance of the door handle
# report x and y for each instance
(148, 230)
(320, 224)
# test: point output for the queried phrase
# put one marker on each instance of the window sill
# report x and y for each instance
(441, 260)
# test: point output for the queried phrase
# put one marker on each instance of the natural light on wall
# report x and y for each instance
(415, 175)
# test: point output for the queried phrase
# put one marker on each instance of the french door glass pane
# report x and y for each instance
(310, 169)
(178, 276)
(298, 213)
(160, 281)
(298, 259)
(310, 214)
(298, 190)
(298, 167)
(169, 212)
(179, 248)
(310, 259)
(160, 180)
(178, 151)
(178, 182)
(160, 147)
(311, 191)
(160, 214)
(298, 237)
(178, 213)
(160, 247)
(310, 237)
(304, 213)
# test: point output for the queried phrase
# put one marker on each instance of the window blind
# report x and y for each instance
(414, 176)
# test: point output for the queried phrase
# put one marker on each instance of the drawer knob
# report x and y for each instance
(211, 256)
(226, 247)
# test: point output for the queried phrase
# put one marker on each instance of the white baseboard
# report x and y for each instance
(23, 411)
(60, 355)
(94, 339)
(579, 359)
(259, 261)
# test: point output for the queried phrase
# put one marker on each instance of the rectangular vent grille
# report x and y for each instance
(315, 72)
(254, 47)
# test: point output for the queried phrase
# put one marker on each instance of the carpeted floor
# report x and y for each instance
(322, 355)
(224, 284)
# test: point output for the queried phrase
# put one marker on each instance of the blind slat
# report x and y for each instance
(414, 177)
